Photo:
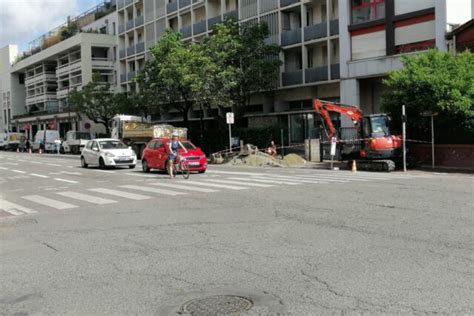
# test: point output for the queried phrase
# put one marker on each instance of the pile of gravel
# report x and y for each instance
(264, 160)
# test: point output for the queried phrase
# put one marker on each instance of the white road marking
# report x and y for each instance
(36, 162)
(14, 209)
(310, 179)
(64, 180)
(292, 179)
(38, 175)
(219, 186)
(3, 168)
(184, 187)
(53, 164)
(86, 198)
(250, 179)
(153, 190)
(49, 202)
(128, 195)
(18, 171)
(258, 185)
(10, 163)
(104, 171)
(235, 173)
(141, 175)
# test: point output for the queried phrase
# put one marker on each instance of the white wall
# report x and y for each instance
(405, 6)
(368, 45)
(415, 33)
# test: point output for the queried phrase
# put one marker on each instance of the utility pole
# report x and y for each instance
(404, 120)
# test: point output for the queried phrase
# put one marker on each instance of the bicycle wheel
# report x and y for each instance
(184, 168)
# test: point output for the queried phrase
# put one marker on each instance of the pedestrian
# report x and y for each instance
(57, 143)
(27, 145)
(272, 149)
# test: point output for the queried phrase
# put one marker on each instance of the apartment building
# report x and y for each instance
(60, 61)
(308, 31)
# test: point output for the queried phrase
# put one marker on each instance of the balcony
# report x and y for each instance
(335, 72)
(120, 4)
(334, 27)
(186, 31)
(131, 75)
(127, 2)
(316, 74)
(232, 14)
(121, 29)
(123, 78)
(184, 3)
(131, 51)
(140, 48)
(172, 7)
(291, 78)
(199, 27)
(315, 31)
(130, 25)
(139, 21)
(272, 40)
(102, 63)
(284, 3)
(291, 37)
(122, 54)
(213, 21)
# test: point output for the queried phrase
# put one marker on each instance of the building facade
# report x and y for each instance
(12, 90)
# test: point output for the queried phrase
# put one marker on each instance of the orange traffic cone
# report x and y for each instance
(354, 166)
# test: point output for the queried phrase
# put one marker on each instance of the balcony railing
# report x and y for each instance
(290, 78)
(122, 54)
(140, 48)
(315, 31)
(316, 74)
(130, 25)
(199, 27)
(171, 7)
(186, 31)
(335, 72)
(121, 29)
(184, 3)
(232, 14)
(213, 21)
(291, 37)
(123, 78)
(272, 39)
(285, 3)
(334, 27)
(131, 75)
(131, 51)
(139, 21)
(120, 4)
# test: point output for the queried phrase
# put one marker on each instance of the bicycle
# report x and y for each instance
(180, 164)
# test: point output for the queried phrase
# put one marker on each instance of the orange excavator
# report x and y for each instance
(371, 144)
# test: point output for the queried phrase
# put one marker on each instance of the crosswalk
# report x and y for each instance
(214, 182)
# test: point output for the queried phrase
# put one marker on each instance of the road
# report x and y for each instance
(283, 241)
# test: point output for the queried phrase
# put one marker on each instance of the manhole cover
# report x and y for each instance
(217, 304)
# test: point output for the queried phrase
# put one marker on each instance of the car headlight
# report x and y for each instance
(107, 154)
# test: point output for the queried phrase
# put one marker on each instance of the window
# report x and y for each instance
(112, 144)
(95, 146)
(151, 145)
(367, 10)
(89, 145)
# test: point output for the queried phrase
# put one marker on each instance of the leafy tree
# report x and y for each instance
(97, 101)
(436, 82)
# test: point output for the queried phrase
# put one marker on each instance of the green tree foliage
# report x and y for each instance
(97, 101)
(436, 82)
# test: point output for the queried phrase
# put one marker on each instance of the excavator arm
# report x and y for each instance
(324, 107)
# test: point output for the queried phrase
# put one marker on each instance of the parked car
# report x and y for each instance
(156, 153)
(107, 152)
(48, 138)
(13, 140)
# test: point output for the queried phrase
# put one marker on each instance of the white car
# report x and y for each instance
(106, 152)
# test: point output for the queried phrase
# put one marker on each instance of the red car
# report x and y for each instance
(156, 153)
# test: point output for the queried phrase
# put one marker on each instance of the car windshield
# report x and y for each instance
(379, 126)
(188, 145)
(112, 144)
(81, 136)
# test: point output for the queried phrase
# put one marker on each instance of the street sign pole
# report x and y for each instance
(230, 120)
(230, 138)
(404, 119)
(432, 142)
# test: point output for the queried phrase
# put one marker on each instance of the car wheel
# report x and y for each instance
(132, 166)
(101, 163)
(83, 163)
(202, 171)
(145, 167)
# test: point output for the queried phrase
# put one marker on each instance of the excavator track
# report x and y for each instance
(375, 165)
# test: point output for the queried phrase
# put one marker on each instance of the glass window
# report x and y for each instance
(151, 145)
(112, 144)
(379, 126)
(367, 10)
(94, 145)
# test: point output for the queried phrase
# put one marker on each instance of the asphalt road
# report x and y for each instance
(291, 241)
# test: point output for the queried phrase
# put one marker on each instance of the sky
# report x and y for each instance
(22, 21)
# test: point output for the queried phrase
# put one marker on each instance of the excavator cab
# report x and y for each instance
(376, 125)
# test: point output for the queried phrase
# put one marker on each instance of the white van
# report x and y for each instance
(47, 137)
(14, 140)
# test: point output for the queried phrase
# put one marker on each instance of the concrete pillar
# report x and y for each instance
(350, 91)
(344, 38)
(86, 60)
(441, 21)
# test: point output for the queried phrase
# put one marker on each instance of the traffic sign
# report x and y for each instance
(230, 117)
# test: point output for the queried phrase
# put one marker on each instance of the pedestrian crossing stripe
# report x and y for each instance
(127, 195)
(152, 190)
(86, 198)
(283, 178)
(49, 202)
(251, 179)
(250, 184)
(224, 186)
(14, 209)
(183, 187)
(310, 179)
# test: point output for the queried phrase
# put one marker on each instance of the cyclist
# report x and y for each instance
(173, 147)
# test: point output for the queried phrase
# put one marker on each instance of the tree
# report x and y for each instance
(98, 102)
(435, 82)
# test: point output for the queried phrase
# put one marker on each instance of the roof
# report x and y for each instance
(461, 28)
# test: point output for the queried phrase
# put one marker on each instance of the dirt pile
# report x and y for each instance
(292, 160)
(264, 160)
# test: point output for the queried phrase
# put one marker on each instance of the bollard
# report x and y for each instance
(354, 166)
